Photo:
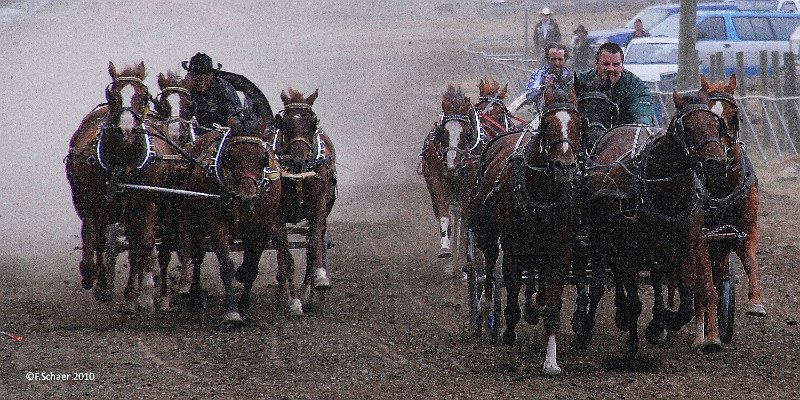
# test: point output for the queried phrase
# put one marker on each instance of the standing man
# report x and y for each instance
(545, 31)
(627, 90)
(215, 99)
(582, 53)
(554, 71)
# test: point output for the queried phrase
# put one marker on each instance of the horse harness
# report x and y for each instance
(470, 155)
(320, 155)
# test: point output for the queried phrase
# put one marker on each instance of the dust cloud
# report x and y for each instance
(379, 66)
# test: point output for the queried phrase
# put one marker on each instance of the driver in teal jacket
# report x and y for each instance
(627, 90)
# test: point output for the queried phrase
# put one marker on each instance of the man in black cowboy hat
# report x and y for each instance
(214, 98)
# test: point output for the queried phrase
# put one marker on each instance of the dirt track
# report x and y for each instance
(394, 326)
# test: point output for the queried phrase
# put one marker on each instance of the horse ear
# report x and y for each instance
(703, 96)
(140, 71)
(284, 97)
(677, 98)
(731, 87)
(503, 92)
(310, 99)
(112, 70)
(162, 81)
(573, 98)
(704, 85)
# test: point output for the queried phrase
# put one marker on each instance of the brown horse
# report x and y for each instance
(643, 209)
(494, 117)
(734, 197)
(241, 170)
(528, 199)
(173, 105)
(116, 144)
(449, 165)
(308, 171)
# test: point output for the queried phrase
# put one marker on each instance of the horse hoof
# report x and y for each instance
(757, 310)
(711, 345)
(296, 308)
(551, 369)
(232, 317)
(87, 283)
(321, 281)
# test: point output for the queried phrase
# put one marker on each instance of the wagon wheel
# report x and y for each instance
(474, 273)
(493, 321)
(726, 305)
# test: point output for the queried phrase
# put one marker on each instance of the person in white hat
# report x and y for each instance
(545, 31)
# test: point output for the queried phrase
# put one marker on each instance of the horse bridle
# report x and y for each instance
(492, 124)
(314, 145)
(111, 101)
(545, 144)
(677, 128)
(731, 129)
(471, 124)
(269, 171)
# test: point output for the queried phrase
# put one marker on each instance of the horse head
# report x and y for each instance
(298, 134)
(721, 101)
(128, 99)
(698, 131)
(174, 104)
(246, 162)
(601, 113)
(491, 110)
(558, 139)
(456, 136)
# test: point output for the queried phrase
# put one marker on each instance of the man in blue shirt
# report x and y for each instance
(554, 71)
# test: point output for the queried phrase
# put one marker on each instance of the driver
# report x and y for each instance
(215, 99)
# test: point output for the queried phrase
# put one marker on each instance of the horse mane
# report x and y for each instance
(489, 87)
(132, 70)
(453, 100)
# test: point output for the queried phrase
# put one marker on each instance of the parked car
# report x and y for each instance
(654, 60)
(730, 32)
(650, 17)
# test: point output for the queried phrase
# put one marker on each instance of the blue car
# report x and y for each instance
(650, 16)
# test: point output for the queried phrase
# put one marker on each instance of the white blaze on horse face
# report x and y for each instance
(454, 128)
(564, 118)
(718, 108)
(174, 127)
(126, 118)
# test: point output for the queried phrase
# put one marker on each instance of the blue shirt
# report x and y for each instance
(535, 85)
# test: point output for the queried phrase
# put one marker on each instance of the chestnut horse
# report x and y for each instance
(308, 174)
(494, 117)
(734, 197)
(643, 209)
(241, 168)
(449, 165)
(528, 199)
(117, 144)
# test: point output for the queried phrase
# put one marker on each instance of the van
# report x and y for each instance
(650, 17)
(730, 32)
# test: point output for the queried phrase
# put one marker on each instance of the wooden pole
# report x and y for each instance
(741, 83)
(688, 78)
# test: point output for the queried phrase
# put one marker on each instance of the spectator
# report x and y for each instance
(639, 31)
(545, 31)
(581, 51)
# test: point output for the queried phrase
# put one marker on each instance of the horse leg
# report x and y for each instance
(656, 332)
(285, 293)
(747, 253)
(141, 237)
(164, 257)
(227, 270)
(247, 272)
(438, 190)
(90, 239)
(512, 276)
(531, 311)
(490, 256)
(708, 305)
(553, 289)
(579, 275)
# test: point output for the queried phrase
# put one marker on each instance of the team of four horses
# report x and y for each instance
(163, 177)
(583, 197)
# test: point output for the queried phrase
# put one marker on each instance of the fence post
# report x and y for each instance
(776, 74)
(740, 75)
(712, 67)
(720, 66)
(764, 64)
(790, 87)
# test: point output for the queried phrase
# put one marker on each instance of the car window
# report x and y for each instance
(784, 27)
(757, 5)
(652, 53)
(712, 29)
(789, 6)
(753, 28)
(668, 27)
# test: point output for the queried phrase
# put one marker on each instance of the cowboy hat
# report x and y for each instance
(580, 29)
(200, 62)
(546, 11)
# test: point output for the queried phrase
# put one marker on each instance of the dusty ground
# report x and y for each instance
(394, 326)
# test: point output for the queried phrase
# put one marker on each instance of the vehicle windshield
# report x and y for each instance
(652, 53)
(649, 16)
(757, 5)
(668, 27)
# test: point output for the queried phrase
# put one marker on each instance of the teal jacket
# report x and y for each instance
(631, 95)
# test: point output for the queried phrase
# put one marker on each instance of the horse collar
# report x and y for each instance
(149, 153)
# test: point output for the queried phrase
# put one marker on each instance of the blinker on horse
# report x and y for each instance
(527, 198)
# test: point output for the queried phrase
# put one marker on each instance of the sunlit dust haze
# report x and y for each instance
(380, 68)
